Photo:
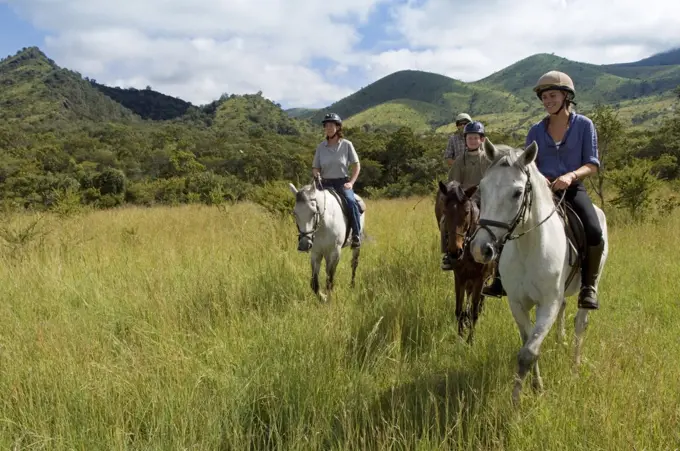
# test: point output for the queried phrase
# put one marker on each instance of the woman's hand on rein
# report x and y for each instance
(348, 185)
(563, 181)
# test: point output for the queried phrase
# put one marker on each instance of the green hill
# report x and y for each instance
(667, 58)
(301, 113)
(33, 90)
(437, 90)
(255, 115)
(147, 103)
(505, 99)
(594, 84)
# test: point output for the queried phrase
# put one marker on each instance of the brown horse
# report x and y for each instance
(461, 214)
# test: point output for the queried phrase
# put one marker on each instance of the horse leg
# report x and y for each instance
(316, 267)
(521, 316)
(580, 324)
(546, 314)
(355, 263)
(332, 260)
(561, 330)
(460, 301)
(477, 300)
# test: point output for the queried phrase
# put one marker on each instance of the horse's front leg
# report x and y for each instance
(546, 314)
(315, 259)
(460, 302)
(477, 300)
(332, 260)
(523, 320)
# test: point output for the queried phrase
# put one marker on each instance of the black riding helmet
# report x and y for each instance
(474, 127)
(332, 117)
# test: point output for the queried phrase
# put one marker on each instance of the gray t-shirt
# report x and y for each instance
(334, 160)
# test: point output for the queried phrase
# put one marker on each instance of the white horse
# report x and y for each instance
(323, 230)
(518, 213)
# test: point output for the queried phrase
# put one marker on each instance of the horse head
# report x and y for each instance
(460, 213)
(307, 214)
(506, 196)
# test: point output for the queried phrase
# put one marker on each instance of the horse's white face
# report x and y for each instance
(306, 214)
(502, 195)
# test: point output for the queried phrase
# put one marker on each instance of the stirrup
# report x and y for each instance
(587, 298)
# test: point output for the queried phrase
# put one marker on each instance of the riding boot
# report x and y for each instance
(356, 233)
(590, 270)
(496, 289)
(447, 264)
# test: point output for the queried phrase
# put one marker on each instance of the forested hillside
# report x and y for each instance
(64, 143)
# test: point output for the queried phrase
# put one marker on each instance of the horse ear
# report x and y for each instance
(471, 191)
(460, 194)
(443, 188)
(292, 188)
(529, 154)
(490, 150)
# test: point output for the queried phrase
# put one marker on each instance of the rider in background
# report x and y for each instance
(456, 144)
(468, 170)
(568, 153)
(332, 160)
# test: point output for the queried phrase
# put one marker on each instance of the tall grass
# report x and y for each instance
(195, 328)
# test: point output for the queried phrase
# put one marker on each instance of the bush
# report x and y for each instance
(275, 197)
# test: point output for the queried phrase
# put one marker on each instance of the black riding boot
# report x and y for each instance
(590, 270)
(496, 289)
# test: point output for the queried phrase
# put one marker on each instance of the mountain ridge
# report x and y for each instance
(38, 89)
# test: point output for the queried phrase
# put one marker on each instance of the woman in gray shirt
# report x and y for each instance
(332, 161)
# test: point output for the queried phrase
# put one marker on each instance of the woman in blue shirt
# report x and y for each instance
(567, 153)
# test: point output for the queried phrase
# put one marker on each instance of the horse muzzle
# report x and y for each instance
(305, 244)
(483, 252)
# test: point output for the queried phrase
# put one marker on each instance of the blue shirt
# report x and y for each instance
(578, 147)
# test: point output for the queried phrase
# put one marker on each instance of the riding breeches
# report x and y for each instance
(578, 198)
(352, 205)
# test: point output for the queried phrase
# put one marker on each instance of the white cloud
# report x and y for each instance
(198, 50)
(469, 41)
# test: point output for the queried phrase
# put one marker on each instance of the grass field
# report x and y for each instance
(194, 328)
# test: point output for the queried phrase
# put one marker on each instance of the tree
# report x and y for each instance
(609, 136)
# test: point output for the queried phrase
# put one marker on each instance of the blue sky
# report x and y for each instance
(16, 33)
(306, 54)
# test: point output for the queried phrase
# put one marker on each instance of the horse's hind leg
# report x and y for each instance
(356, 252)
(561, 329)
(580, 326)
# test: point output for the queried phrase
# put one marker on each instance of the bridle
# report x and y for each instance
(520, 217)
(316, 222)
(470, 231)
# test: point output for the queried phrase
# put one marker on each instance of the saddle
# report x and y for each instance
(576, 236)
(345, 210)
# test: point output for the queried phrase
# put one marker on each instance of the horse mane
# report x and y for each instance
(538, 181)
(455, 188)
(305, 193)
